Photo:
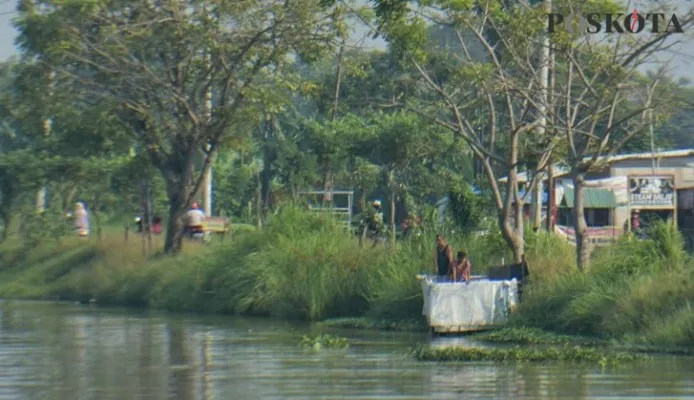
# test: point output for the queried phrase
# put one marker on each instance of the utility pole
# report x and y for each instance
(207, 172)
(47, 128)
(542, 109)
(551, 179)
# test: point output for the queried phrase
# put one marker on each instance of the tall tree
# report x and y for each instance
(484, 91)
(146, 59)
(606, 102)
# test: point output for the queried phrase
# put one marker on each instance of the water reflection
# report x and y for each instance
(60, 351)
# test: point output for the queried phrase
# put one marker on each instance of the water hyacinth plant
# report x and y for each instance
(323, 341)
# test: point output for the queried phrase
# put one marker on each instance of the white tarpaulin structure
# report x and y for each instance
(461, 307)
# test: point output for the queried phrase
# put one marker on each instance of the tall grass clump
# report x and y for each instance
(549, 256)
(301, 265)
(395, 294)
(637, 289)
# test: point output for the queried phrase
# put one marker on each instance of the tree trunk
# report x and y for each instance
(542, 109)
(362, 200)
(294, 189)
(174, 232)
(5, 216)
(267, 173)
(362, 207)
(143, 221)
(207, 187)
(538, 191)
(580, 225)
(182, 182)
(97, 216)
(328, 166)
(392, 218)
(9, 197)
(148, 204)
(513, 235)
(518, 246)
(512, 238)
(179, 188)
(510, 231)
(47, 128)
(258, 203)
(550, 197)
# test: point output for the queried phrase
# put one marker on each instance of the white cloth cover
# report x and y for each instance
(479, 304)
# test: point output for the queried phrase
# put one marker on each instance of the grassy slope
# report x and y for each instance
(302, 266)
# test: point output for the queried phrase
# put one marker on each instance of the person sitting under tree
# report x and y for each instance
(195, 219)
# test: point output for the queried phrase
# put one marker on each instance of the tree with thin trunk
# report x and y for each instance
(147, 59)
(605, 101)
(484, 91)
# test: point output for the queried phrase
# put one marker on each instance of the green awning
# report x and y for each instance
(592, 198)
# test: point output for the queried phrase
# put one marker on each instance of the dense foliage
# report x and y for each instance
(113, 101)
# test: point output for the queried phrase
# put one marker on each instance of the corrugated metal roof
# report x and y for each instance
(562, 170)
(593, 198)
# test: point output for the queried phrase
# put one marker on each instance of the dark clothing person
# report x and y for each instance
(443, 263)
(443, 258)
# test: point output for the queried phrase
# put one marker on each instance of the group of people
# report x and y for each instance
(374, 228)
(449, 268)
(141, 225)
(195, 218)
(194, 221)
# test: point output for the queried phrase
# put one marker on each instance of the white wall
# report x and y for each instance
(684, 176)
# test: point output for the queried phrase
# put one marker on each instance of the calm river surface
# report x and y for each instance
(65, 351)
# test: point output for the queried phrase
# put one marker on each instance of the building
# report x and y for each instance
(627, 189)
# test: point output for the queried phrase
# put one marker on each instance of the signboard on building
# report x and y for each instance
(596, 235)
(652, 192)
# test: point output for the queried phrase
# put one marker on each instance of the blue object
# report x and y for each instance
(544, 196)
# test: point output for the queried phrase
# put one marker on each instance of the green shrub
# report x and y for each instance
(466, 207)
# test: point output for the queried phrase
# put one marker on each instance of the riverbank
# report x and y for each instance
(305, 267)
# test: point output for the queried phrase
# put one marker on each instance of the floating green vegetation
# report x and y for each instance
(525, 335)
(653, 349)
(367, 323)
(323, 341)
(526, 354)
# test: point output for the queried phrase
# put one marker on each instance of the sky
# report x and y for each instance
(681, 58)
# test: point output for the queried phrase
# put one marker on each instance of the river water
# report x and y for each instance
(70, 352)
